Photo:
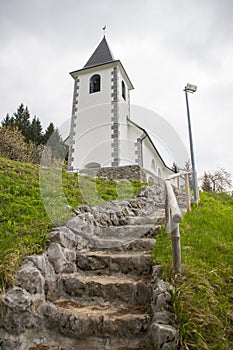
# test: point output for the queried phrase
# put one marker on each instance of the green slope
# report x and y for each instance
(25, 190)
(203, 295)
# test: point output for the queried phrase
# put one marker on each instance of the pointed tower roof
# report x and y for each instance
(101, 55)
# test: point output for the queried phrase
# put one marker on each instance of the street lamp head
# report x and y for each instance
(190, 88)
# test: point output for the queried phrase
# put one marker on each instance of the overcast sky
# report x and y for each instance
(163, 44)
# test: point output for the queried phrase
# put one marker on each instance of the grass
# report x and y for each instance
(203, 294)
(32, 202)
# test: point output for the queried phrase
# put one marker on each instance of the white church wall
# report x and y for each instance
(93, 124)
(128, 149)
(95, 118)
(152, 161)
(93, 146)
(101, 97)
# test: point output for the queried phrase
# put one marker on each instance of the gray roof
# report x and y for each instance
(101, 55)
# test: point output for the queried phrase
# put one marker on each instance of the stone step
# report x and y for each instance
(129, 231)
(105, 321)
(156, 219)
(54, 341)
(116, 289)
(133, 263)
(117, 245)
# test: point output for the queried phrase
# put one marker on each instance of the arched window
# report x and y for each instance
(123, 90)
(159, 172)
(95, 83)
(153, 164)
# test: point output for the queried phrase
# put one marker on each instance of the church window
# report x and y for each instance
(159, 172)
(95, 83)
(153, 164)
(123, 90)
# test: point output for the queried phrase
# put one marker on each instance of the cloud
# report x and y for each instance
(162, 44)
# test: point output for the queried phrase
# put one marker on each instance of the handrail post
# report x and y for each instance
(173, 218)
(187, 192)
(176, 252)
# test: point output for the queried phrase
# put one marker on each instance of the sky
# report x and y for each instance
(162, 44)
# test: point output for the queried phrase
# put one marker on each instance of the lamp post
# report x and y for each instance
(192, 89)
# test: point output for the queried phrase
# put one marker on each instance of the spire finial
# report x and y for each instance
(104, 28)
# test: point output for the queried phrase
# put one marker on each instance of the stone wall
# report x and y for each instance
(128, 172)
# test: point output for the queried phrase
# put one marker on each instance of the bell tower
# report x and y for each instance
(100, 111)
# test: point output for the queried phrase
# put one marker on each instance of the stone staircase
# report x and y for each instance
(93, 288)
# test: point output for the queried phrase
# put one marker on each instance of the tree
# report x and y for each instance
(175, 168)
(22, 121)
(35, 134)
(32, 131)
(28, 136)
(58, 148)
(14, 146)
(48, 132)
(218, 180)
(188, 168)
(8, 121)
(206, 184)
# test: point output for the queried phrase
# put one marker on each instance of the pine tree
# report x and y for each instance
(206, 183)
(48, 132)
(22, 121)
(8, 121)
(35, 134)
(57, 146)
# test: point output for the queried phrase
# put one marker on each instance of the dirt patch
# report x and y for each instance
(68, 304)
(45, 347)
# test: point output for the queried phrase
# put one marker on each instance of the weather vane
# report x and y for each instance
(104, 28)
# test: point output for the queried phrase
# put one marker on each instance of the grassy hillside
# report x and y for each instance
(203, 295)
(24, 222)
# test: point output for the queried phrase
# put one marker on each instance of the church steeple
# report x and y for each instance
(101, 55)
(101, 106)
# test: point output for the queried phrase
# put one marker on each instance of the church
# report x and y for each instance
(103, 134)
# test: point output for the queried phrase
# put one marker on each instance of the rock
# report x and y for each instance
(160, 336)
(31, 279)
(114, 219)
(57, 257)
(104, 219)
(162, 302)
(84, 208)
(83, 223)
(18, 299)
(39, 262)
(9, 342)
(43, 265)
(63, 236)
(161, 288)
(17, 313)
(82, 243)
(163, 317)
(70, 255)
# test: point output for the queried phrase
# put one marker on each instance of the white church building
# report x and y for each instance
(103, 133)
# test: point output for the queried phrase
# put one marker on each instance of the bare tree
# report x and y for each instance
(217, 181)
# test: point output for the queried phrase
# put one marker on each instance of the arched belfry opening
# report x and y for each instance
(95, 82)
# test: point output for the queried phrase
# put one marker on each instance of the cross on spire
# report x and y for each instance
(104, 29)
